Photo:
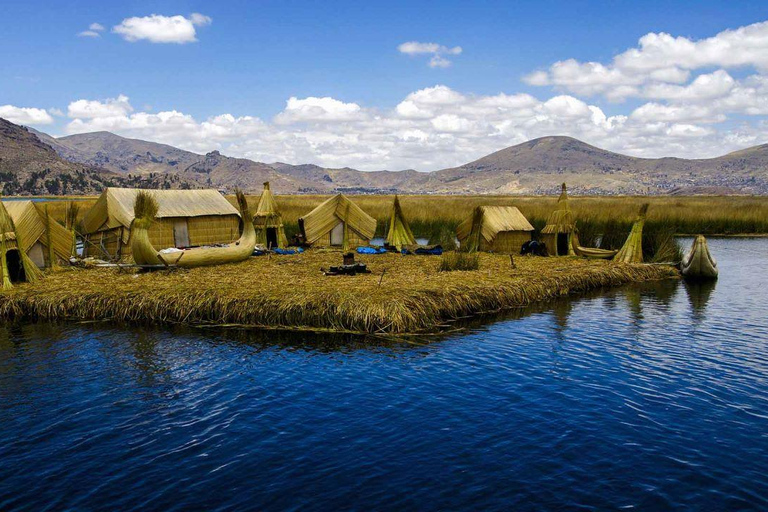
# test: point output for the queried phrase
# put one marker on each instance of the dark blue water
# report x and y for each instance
(648, 397)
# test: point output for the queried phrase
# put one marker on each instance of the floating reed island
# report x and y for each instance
(402, 294)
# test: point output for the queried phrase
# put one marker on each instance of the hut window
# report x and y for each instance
(337, 234)
(180, 233)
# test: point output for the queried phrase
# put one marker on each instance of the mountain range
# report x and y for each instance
(538, 166)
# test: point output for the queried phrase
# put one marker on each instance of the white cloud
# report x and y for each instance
(93, 30)
(436, 50)
(704, 87)
(662, 59)
(317, 110)
(89, 109)
(25, 115)
(156, 28)
(434, 127)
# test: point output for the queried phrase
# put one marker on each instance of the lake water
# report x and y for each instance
(646, 397)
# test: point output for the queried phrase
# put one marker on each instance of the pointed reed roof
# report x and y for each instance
(267, 204)
(560, 220)
(337, 209)
(30, 218)
(399, 233)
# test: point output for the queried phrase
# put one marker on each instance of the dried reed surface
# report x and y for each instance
(698, 214)
(426, 214)
(403, 294)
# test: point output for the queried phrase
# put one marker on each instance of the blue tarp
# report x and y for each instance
(429, 251)
(298, 250)
(371, 250)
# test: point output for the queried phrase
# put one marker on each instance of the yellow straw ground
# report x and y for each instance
(403, 294)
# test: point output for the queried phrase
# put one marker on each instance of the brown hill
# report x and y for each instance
(534, 167)
(29, 166)
(540, 165)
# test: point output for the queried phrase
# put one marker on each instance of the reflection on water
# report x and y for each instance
(699, 293)
(651, 396)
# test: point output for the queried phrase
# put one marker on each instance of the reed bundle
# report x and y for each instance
(290, 292)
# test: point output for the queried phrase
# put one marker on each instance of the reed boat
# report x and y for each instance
(699, 263)
(591, 252)
(145, 254)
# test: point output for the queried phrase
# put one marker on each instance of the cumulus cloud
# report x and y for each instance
(661, 59)
(318, 110)
(437, 51)
(25, 115)
(156, 28)
(90, 109)
(434, 127)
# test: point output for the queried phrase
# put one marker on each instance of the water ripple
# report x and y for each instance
(649, 397)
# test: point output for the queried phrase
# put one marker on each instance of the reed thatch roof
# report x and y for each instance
(492, 220)
(114, 208)
(560, 220)
(337, 209)
(12, 238)
(632, 250)
(30, 218)
(399, 233)
(268, 216)
(267, 213)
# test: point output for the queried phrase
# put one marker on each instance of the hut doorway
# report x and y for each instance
(271, 237)
(562, 244)
(15, 268)
(181, 233)
(337, 234)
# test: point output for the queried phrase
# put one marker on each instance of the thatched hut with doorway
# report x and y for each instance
(185, 218)
(45, 241)
(337, 222)
(502, 229)
(268, 221)
(560, 227)
(15, 264)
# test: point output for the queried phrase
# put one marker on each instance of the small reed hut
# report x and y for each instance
(560, 227)
(337, 222)
(15, 264)
(495, 228)
(632, 250)
(45, 241)
(185, 218)
(268, 221)
(399, 234)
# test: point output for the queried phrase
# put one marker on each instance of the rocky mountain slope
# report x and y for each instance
(29, 166)
(534, 167)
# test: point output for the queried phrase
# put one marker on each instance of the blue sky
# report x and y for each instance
(252, 57)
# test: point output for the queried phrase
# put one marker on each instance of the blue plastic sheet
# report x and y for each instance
(371, 250)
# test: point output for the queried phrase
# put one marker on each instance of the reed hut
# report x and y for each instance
(268, 221)
(15, 263)
(337, 222)
(45, 241)
(500, 229)
(399, 234)
(185, 218)
(560, 227)
(632, 250)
